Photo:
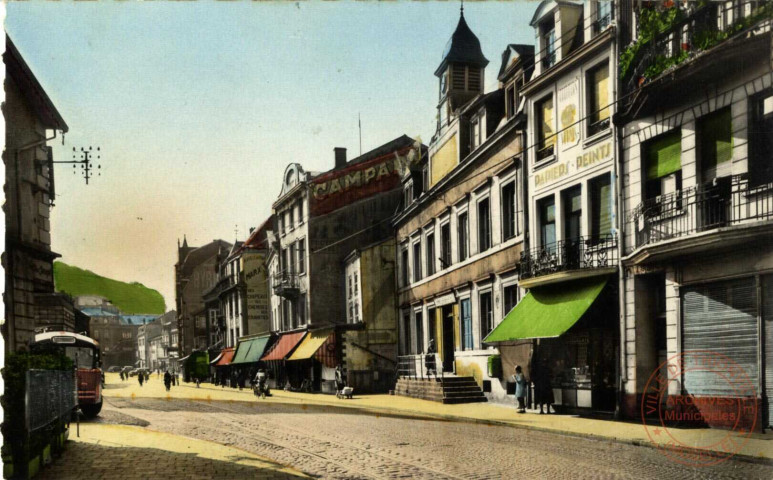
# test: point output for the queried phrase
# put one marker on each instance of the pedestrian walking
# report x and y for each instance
(147, 376)
(140, 377)
(167, 380)
(121, 374)
(521, 386)
(340, 378)
(429, 359)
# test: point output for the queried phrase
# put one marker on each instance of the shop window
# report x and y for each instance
(417, 261)
(484, 225)
(462, 231)
(486, 314)
(546, 137)
(761, 139)
(508, 211)
(597, 86)
(601, 208)
(466, 320)
(547, 222)
(663, 165)
(445, 245)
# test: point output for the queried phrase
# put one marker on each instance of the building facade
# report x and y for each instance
(697, 192)
(31, 120)
(460, 231)
(196, 272)
(320, 219)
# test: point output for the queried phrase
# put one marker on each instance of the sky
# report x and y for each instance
(198, 107)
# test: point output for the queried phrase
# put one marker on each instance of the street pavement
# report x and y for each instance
(325, 440)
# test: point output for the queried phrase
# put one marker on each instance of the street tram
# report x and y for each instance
(84, 352)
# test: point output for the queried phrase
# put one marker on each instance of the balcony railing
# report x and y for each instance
(725, 202)
(286, 284)
(577, 254)
(695, 28)
(422, 365)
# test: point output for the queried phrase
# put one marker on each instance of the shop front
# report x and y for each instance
(246, 360)
(315, 360)
(281, 372)
(224, 373)
(573, 327)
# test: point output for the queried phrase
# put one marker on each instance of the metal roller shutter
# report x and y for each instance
(720, 317)
(767, 325)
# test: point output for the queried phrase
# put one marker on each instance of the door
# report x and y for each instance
(448, 339)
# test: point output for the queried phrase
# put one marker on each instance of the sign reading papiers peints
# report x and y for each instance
(589, 158)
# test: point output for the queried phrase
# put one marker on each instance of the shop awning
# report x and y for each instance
(310, 344)
(547, 311)
(250, 350)
(224, 358)
(284, 345)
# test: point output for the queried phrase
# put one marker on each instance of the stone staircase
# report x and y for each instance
(445, 390)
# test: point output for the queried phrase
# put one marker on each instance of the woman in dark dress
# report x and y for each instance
(543, 391)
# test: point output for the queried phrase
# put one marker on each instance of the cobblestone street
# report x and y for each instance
(329, 442)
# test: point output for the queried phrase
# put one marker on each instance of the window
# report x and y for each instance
(715, 137)
(444, 83)
(473, 79)
(425, 177)
(430, 257)
(462, 231)
(466, 320)
(293, 256)
(419, 332)
(761, 139)
(508, 211)
(597, 86)
(510, 101)
(601, 208)
(408, 194)
(300, 211)
(572, 199)
(432, 325)
(510, 294)
(302, 255)
(406, 343)
(291, 215)
(547, 222)
(475, 133)
(548, 44)
(457, 77)
(417, 261)
(353, 298)
(663, 164)
(603, 16)
(484, 225)
(445, 245)
(486, 315)
(404, 264)
(546, 138)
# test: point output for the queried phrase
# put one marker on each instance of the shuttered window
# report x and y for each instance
(466, 319)
(720, 317)
(663, 155)
(457, 77)
(601, 207)
(715, 134)
(473, 79)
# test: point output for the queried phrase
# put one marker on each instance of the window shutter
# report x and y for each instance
(601, 200)
(664, 155)
(717, 138)
(601, 93)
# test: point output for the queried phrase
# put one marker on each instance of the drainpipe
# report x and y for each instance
(17, 181)
(618, 168)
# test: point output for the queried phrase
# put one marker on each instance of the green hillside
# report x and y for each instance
(130, 298)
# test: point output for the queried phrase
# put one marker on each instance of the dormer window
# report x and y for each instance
(475, 133)
(603, 16)
(548, 44)
(510, 101)
(408, 194)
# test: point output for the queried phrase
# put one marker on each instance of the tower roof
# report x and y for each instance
(463, 47)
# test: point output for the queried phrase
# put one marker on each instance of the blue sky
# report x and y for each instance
(199, 106)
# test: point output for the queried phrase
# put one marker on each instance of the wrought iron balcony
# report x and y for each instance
(286, 284)
(567, 255)
(725, 202)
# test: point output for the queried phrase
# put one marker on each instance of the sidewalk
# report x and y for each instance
(757, 446)
(110, 451)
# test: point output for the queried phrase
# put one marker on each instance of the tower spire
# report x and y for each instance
(461, 10)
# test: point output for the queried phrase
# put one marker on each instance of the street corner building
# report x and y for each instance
(331, 271)
(31, 121)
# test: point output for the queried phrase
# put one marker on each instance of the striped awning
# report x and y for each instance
(284, 346)
(224, 358)
(310, 345)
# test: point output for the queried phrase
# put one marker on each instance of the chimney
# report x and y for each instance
(340, 155)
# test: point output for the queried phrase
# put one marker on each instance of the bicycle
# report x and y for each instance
(305, 386)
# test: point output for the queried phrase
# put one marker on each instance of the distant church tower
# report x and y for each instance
(460, 72)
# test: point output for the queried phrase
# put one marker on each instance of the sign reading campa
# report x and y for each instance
(337, 188)
(590, 157)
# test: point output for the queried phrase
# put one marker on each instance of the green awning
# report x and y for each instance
(547, 311)
(250, 350)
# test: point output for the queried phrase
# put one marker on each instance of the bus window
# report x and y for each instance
(82, 357)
